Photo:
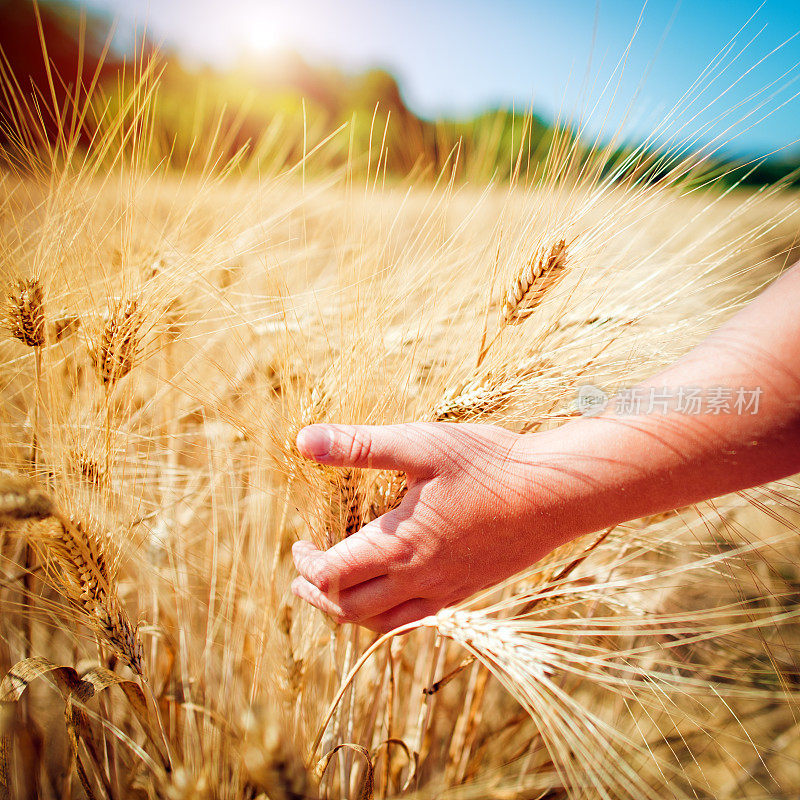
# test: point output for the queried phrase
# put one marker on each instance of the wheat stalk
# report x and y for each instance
(293, 664)
(538, 277)
(25, 318)
(476, 398)
(86, 467)
(351, 500)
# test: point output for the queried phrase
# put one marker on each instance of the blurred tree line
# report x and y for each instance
(268, 112)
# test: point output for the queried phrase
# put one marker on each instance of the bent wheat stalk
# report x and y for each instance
(84, 574)
(348, 679)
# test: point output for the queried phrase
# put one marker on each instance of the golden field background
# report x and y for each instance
(190, 321)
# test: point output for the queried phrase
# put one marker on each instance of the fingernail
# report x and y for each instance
(314, 441)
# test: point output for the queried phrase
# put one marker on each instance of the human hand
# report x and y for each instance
(483, 503)
(466, 522)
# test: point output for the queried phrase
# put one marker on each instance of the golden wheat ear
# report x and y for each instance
(23, 314)
(83, 573)
(117, 348)
(539, 276)
(79, 563)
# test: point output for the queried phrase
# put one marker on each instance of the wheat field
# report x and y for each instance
(165, 334)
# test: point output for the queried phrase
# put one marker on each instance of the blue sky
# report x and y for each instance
(456, 57)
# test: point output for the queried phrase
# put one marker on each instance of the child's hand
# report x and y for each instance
(465, 523)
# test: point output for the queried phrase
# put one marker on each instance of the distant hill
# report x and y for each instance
(73, 66)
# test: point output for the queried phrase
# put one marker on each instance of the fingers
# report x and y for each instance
(358, 558)
(307, 591)
(407, 448)
(375, 604)
(409, 611)
(366, 600)
(363, 576)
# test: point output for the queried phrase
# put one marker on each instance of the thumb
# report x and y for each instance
(411, 448)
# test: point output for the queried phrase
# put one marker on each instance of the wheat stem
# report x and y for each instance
(348, 679)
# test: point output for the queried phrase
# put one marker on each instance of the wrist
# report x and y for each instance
(568, 488)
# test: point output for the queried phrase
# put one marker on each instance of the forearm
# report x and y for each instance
(603, 470)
